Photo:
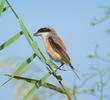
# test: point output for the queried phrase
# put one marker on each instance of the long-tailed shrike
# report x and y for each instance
(54, 46)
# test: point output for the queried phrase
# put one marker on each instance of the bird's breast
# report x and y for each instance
(54, 55)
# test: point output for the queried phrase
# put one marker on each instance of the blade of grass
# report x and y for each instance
(12, 9)
(37, 86)
(33, 81)
(25, 31)
(21, 67)
(1, 6)
(41, 83)
(30, 92)
(4, 9)
(10, 41)
(33, 43)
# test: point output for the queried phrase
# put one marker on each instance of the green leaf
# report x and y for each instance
(25, 31)
(37, 86)
(10, 41)
(30, 93)
(42, 80)
(1, 6)
(36, 49)
(6, 8)
(21, 67)
(30, 40)
(33, 81)
(46, 85)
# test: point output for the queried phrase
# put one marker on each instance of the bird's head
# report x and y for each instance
(45, 31)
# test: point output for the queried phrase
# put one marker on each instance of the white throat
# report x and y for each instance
(44, 34)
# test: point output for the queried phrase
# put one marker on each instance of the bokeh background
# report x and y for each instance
(72, 21)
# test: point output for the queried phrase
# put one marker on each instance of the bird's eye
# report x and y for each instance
(44, 30)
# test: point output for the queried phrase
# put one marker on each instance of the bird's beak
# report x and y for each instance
(36, 34)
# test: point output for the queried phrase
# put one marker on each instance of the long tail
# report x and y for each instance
(73, 69)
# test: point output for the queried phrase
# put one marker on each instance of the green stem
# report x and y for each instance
(53, 73)
(64, 89)
(12, 9)
(33, 81)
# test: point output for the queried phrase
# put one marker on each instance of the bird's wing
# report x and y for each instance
(57, 40)
(59, 48)
(56, 45)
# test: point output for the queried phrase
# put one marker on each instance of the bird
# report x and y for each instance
(55, 46)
